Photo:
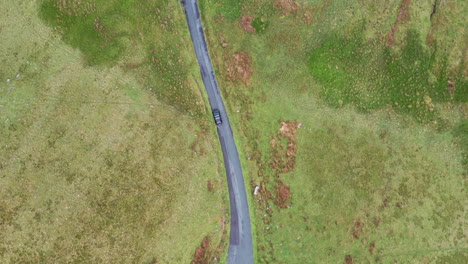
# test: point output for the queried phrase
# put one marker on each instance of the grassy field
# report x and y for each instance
(107, 152)
(352, 116)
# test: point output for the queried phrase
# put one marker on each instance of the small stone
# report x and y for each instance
(8, 80)
(18, 75)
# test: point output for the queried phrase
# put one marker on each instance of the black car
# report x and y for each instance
(217, 117)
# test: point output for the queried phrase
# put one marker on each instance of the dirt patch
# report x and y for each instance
(450, 85)
(223, 41)
(348, 259)
(314, 13)
(376, 221)
(289, 129)
(284, 155)
(210, 186)
(240, 67)
(371, 248)
(201, 256)
(282, 160)
(246, 24)
(357, 228)
(403, 16)
(307, 17)
(287, 7)
(283, 195)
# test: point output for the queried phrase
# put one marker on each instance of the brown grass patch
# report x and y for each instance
(357, 228)
(246, 24)
(283, 195)
(200, 256)
(376, 221)
(284, 157)
(403, 16)
(239, 68)
(348, 259)
(287, 7)
(210, 186)
(371, 248)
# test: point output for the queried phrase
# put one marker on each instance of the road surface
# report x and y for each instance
(240, 243)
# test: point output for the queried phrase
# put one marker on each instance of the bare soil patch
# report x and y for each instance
(371, 248)
(282, 160)
(210, 186)
(403, 16)
(284, 157)
(246, 24)
(201, 256)
(283, 195)
(287, 7)
(239, 67)
(348, 259)
(357, 228)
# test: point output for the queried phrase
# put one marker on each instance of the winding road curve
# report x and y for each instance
(240, 244)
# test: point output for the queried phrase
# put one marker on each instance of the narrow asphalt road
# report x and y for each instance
(240, 243)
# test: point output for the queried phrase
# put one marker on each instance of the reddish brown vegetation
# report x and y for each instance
(284, 160)
(348, 259)
(307, 18)
(210, 186)
(240, 67)
(403, 16)
(371, 248)
(283, 194)
(223, 41)
(246, 24)
(450, 86)
(201, 256)
(314, 13)
(376, 222)
(385, 203)
(357, 228)
(287, 7)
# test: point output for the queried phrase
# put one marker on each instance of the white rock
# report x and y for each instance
(256, 189)
(8, 80)
(18, 75)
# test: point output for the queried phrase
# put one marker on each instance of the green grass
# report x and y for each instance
(143, 37)
(96, 167)
(228, 9)
(344, 64)
(383, 136)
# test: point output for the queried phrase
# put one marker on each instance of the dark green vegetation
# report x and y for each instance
(101, 160)
(343, 64)
(376, 170)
